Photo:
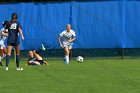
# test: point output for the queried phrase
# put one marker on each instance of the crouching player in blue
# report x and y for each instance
(35, 59)
(14, 29)
(3, 35)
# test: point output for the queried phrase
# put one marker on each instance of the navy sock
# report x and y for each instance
(7, 60)
(17, 60)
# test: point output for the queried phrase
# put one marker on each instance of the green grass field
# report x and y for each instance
(91, 76)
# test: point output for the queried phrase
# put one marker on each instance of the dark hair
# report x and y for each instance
(14, 16)
(4, 23)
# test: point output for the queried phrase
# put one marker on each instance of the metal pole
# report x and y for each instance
(123, 25)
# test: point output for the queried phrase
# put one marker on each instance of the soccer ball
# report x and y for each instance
(80, 59)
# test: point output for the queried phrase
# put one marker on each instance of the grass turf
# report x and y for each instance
(91, 76)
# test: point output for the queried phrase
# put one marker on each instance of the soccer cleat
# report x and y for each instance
(19, 69)
(43, 48)
(67, 63)
(6, 69)
(1, 64)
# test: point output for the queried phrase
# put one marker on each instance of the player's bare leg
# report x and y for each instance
(37, 63)
(1, 53)
(4, 52)
(37, 56)
(9, 48)
(66, 54)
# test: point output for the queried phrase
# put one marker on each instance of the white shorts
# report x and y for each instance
(69, 46)
(2, 46)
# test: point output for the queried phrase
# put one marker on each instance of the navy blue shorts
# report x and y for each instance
(13, 44)
(33, 63)
(40, 61)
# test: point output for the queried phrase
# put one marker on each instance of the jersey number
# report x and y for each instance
(13, 26)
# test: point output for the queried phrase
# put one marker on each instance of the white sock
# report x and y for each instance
(0, 58)
(67, 59)
(4, 55)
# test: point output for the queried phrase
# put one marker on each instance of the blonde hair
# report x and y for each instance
(68, 25)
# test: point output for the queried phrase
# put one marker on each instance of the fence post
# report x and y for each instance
(123, 25)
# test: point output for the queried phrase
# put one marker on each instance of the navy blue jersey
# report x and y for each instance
(13, 33)
(33, 59)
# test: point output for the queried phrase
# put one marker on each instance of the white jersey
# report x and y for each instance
(2, 39)
(67, 36)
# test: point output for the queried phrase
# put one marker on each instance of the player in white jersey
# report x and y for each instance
(68, 37)
(3, 35)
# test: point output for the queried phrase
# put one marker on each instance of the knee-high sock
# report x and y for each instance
(67, 59)
(7, 60)
(17, 60)
(0, 58)
(3, 56)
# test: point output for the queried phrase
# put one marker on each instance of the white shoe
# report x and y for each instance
(6, 69)
(67, 63)
(0, 58)
(19, 69)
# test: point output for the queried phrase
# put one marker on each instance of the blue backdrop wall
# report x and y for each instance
(98, 24)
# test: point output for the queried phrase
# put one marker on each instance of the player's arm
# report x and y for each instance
(74, 38)
(59, 40)
(35, 62)
(71, 40)
(20, 31)
(4, 34)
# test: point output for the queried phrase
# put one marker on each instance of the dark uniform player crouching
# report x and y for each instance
(35, 59)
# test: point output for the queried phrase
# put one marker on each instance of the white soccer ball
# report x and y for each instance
(80, 59)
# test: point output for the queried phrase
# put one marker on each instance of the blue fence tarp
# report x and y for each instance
(97, 24)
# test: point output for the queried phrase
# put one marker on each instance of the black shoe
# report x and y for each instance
(1, 64)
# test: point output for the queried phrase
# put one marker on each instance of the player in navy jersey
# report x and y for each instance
(35, 59)
(14, 29)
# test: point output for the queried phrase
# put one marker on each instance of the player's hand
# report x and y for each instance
(34, 51)
(61, 45)
(22, 37)
(6, 34)
(69, 41)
